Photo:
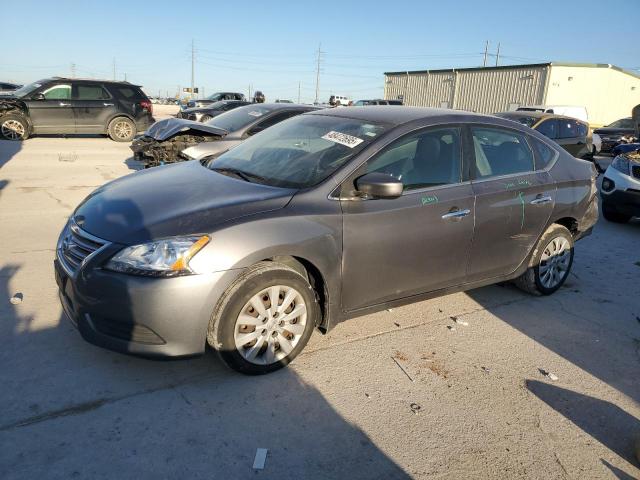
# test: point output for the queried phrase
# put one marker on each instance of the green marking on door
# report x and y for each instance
(428, 199)
(521, 182)
(520, 196)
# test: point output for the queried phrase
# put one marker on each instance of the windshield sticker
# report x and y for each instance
(370, 134)
(428, 199)
(343, 139)
(255, 114)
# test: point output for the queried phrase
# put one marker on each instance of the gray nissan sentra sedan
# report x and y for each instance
(323, 217)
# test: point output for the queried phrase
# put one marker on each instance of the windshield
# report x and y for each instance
(299, 152)
(27, 89)
(622, 123)
(238, 118)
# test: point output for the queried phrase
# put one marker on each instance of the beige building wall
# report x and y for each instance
(607, 93)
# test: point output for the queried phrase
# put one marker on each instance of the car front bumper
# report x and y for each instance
(151, 317)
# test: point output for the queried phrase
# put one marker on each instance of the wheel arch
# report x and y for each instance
(569, 223)
(315, 277)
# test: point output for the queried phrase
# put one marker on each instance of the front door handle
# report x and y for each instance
(108, 104)
(541, 200)
(62, 104)
(456, 214)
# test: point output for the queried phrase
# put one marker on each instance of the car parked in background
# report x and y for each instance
(573, 111)
(570, 133)
(339, 100)
(216, 97)
(6, 88)
(620, 189)
(71, 105)
(326, 216)
(177, 139)
(613, 133)
(364, 103)
(204, 114)
(625, 148)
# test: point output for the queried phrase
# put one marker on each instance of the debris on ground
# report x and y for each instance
(415, 408)
(402, 368)
(451, 329)
(261, 457)
(16, 299)
(485, 369)
(389, 309)
(367, 395)
(459, 322)
(396, 324)
(549, 375)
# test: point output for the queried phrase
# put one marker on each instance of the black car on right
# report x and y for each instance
(613, 133)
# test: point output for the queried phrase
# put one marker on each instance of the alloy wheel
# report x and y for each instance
(122, 130)
(554, 262)
(12, 130)
(270, 325)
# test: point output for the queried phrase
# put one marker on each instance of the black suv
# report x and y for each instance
(69, 105)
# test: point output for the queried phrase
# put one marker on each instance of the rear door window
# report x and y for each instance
(91, 92)
(500, 152)
(544, 153)
(568, 129)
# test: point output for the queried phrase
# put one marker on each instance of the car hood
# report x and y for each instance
(613, 131)
(165, 129)
(179, 199)
(207, 149)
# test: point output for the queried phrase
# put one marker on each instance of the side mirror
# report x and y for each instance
(379, 185)
(38, 96)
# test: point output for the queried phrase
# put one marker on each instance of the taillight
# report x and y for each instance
(147, 105)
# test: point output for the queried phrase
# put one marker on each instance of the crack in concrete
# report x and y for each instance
(60, 202)
(85, 407)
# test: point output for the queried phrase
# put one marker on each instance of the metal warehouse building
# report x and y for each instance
(608, 92)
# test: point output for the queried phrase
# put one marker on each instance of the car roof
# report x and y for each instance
(538, 115)
(397, 114)
(90, 80)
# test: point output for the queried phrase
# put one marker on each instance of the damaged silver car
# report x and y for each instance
(176, 139)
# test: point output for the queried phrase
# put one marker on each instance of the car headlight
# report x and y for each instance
(163, 258)
(621, 163)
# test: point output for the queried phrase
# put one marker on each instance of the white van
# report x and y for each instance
(573, 111)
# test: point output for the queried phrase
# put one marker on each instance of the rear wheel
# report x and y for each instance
(550, 262)
(612, 215)
(264, 320)
(122, 129)
(14, 127)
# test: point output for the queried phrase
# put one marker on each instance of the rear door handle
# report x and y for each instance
(456, 214)
(108, 104)
(62, 104)
(541, 200)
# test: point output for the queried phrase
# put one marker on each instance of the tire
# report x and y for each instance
(121, 129)
(610, 214)
(550, 262)
(205, 118)
(245, 347)
(14, 127)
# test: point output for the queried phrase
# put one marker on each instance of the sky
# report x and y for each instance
(272, 46)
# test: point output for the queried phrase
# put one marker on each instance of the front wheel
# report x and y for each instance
(121, 129)
(550, 262)
(205, 118)
(14, 127)
(264, 320)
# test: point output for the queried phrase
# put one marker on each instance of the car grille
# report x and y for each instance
(635, 171)
(75, 246)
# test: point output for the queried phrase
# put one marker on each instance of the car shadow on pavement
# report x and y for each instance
(617, 472)
(71, 409)
(8, 150)
(134, 164)
(604, 421)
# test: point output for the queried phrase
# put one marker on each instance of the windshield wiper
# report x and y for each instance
(246, 176)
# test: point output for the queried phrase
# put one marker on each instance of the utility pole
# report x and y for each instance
(114, 68)
(73, 70)
(193, 67)
(318, 72)
(498, 54)
(125, 76)
(486, 48)
(298, 92)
